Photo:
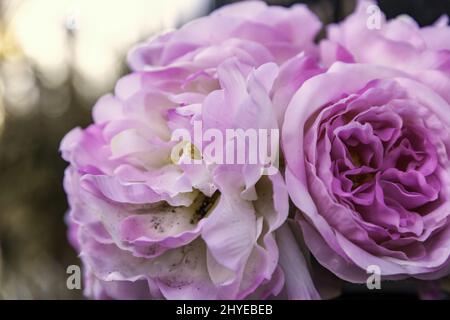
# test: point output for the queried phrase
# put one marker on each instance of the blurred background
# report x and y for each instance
(56, 58)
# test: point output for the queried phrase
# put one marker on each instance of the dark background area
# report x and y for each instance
(34, 252)
(423, 11)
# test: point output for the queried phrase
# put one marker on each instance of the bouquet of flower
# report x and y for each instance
(242, 160)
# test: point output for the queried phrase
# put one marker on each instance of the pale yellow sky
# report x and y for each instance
(104, 30)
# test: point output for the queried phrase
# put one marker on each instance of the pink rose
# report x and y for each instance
(149, 226)
(367, 153)
(366, 36)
